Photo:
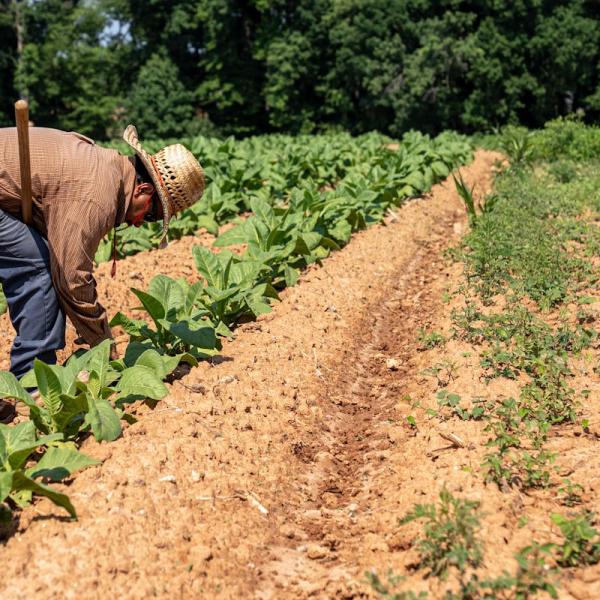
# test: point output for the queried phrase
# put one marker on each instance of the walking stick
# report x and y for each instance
(22, 118)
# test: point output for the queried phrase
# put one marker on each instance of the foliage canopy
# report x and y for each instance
(274, 65)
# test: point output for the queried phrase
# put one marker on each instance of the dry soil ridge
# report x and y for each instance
(300, 414)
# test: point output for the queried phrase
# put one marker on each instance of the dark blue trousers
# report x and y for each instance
(32, 302)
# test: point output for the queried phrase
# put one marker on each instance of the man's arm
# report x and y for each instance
(74, 232)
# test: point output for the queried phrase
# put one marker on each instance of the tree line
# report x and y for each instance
(179, 67)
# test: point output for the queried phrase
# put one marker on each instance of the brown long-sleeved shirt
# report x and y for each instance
(80, 191)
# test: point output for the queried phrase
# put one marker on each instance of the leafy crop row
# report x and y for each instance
(283, 235)
(306, 197)
(269, 168)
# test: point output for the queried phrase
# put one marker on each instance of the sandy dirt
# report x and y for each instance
(281, 469)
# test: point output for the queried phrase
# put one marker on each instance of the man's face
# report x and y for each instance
(144, 205)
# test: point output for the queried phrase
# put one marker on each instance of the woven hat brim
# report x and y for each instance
(130, 135)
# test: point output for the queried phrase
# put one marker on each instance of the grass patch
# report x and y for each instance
(531, 277)
(530, 252)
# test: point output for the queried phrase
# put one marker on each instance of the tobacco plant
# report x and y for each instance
(233, 287)
(18, 483)
(81, 395)
(180, 328)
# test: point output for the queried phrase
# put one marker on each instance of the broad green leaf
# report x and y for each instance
(223, 330)
(158, 363)
(329, 243)
(217, 295)
(153, 306)
(257, 306)
(18, 436)
(311, 239)
(69, 420)
(58, 463)
(187, 358)
(103, 252)
(291, 276)
(246, 271)
(416, 180)
(131, 326)
(93, 386)
(263, 211)
(167, 291)
(235, 235)
(142, 380)
(134, 351)
(104, 421)
(258, 233)
(5, 484)
(20, 441)
(11, 388)
(198, 336)
(440, 169)
(226, 261)
(98, 360)
(191, 296)
(28, 380)
(20, 482)
(207, 264)
(342, 231)
(208, 223)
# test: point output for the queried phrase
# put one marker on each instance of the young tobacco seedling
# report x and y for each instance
(234, 287)
(76, 397)
(181, 328)
(18, 483)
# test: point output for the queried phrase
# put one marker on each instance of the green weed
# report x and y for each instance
(450, 534)
(449, 405)
(570, 493)
(451, 541)
(429, 339)
(516, 144)
(581, 545)
(466, 195)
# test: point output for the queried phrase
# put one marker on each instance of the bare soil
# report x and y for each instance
(280, 470)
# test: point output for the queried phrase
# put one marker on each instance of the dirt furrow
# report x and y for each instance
(260, 475)
(361, 391)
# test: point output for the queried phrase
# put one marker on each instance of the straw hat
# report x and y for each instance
(176, 174)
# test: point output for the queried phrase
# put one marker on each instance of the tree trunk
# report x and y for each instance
(20, 33)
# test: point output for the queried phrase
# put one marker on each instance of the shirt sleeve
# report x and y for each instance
(73, 237)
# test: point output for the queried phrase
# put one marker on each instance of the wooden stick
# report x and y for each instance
(22, 118)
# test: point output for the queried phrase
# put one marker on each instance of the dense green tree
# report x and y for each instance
(299, 65)
(8, 60)
(158, 103)
(70, 73)
(230, 84)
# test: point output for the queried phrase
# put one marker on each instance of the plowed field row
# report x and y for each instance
(279, 469)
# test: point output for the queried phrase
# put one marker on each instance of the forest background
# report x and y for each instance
(187, 67)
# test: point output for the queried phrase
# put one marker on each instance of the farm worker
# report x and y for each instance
(80, 192)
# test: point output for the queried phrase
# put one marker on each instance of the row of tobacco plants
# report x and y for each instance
(532, 281)
(306, 196)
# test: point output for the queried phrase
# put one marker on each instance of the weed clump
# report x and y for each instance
(450, 534)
